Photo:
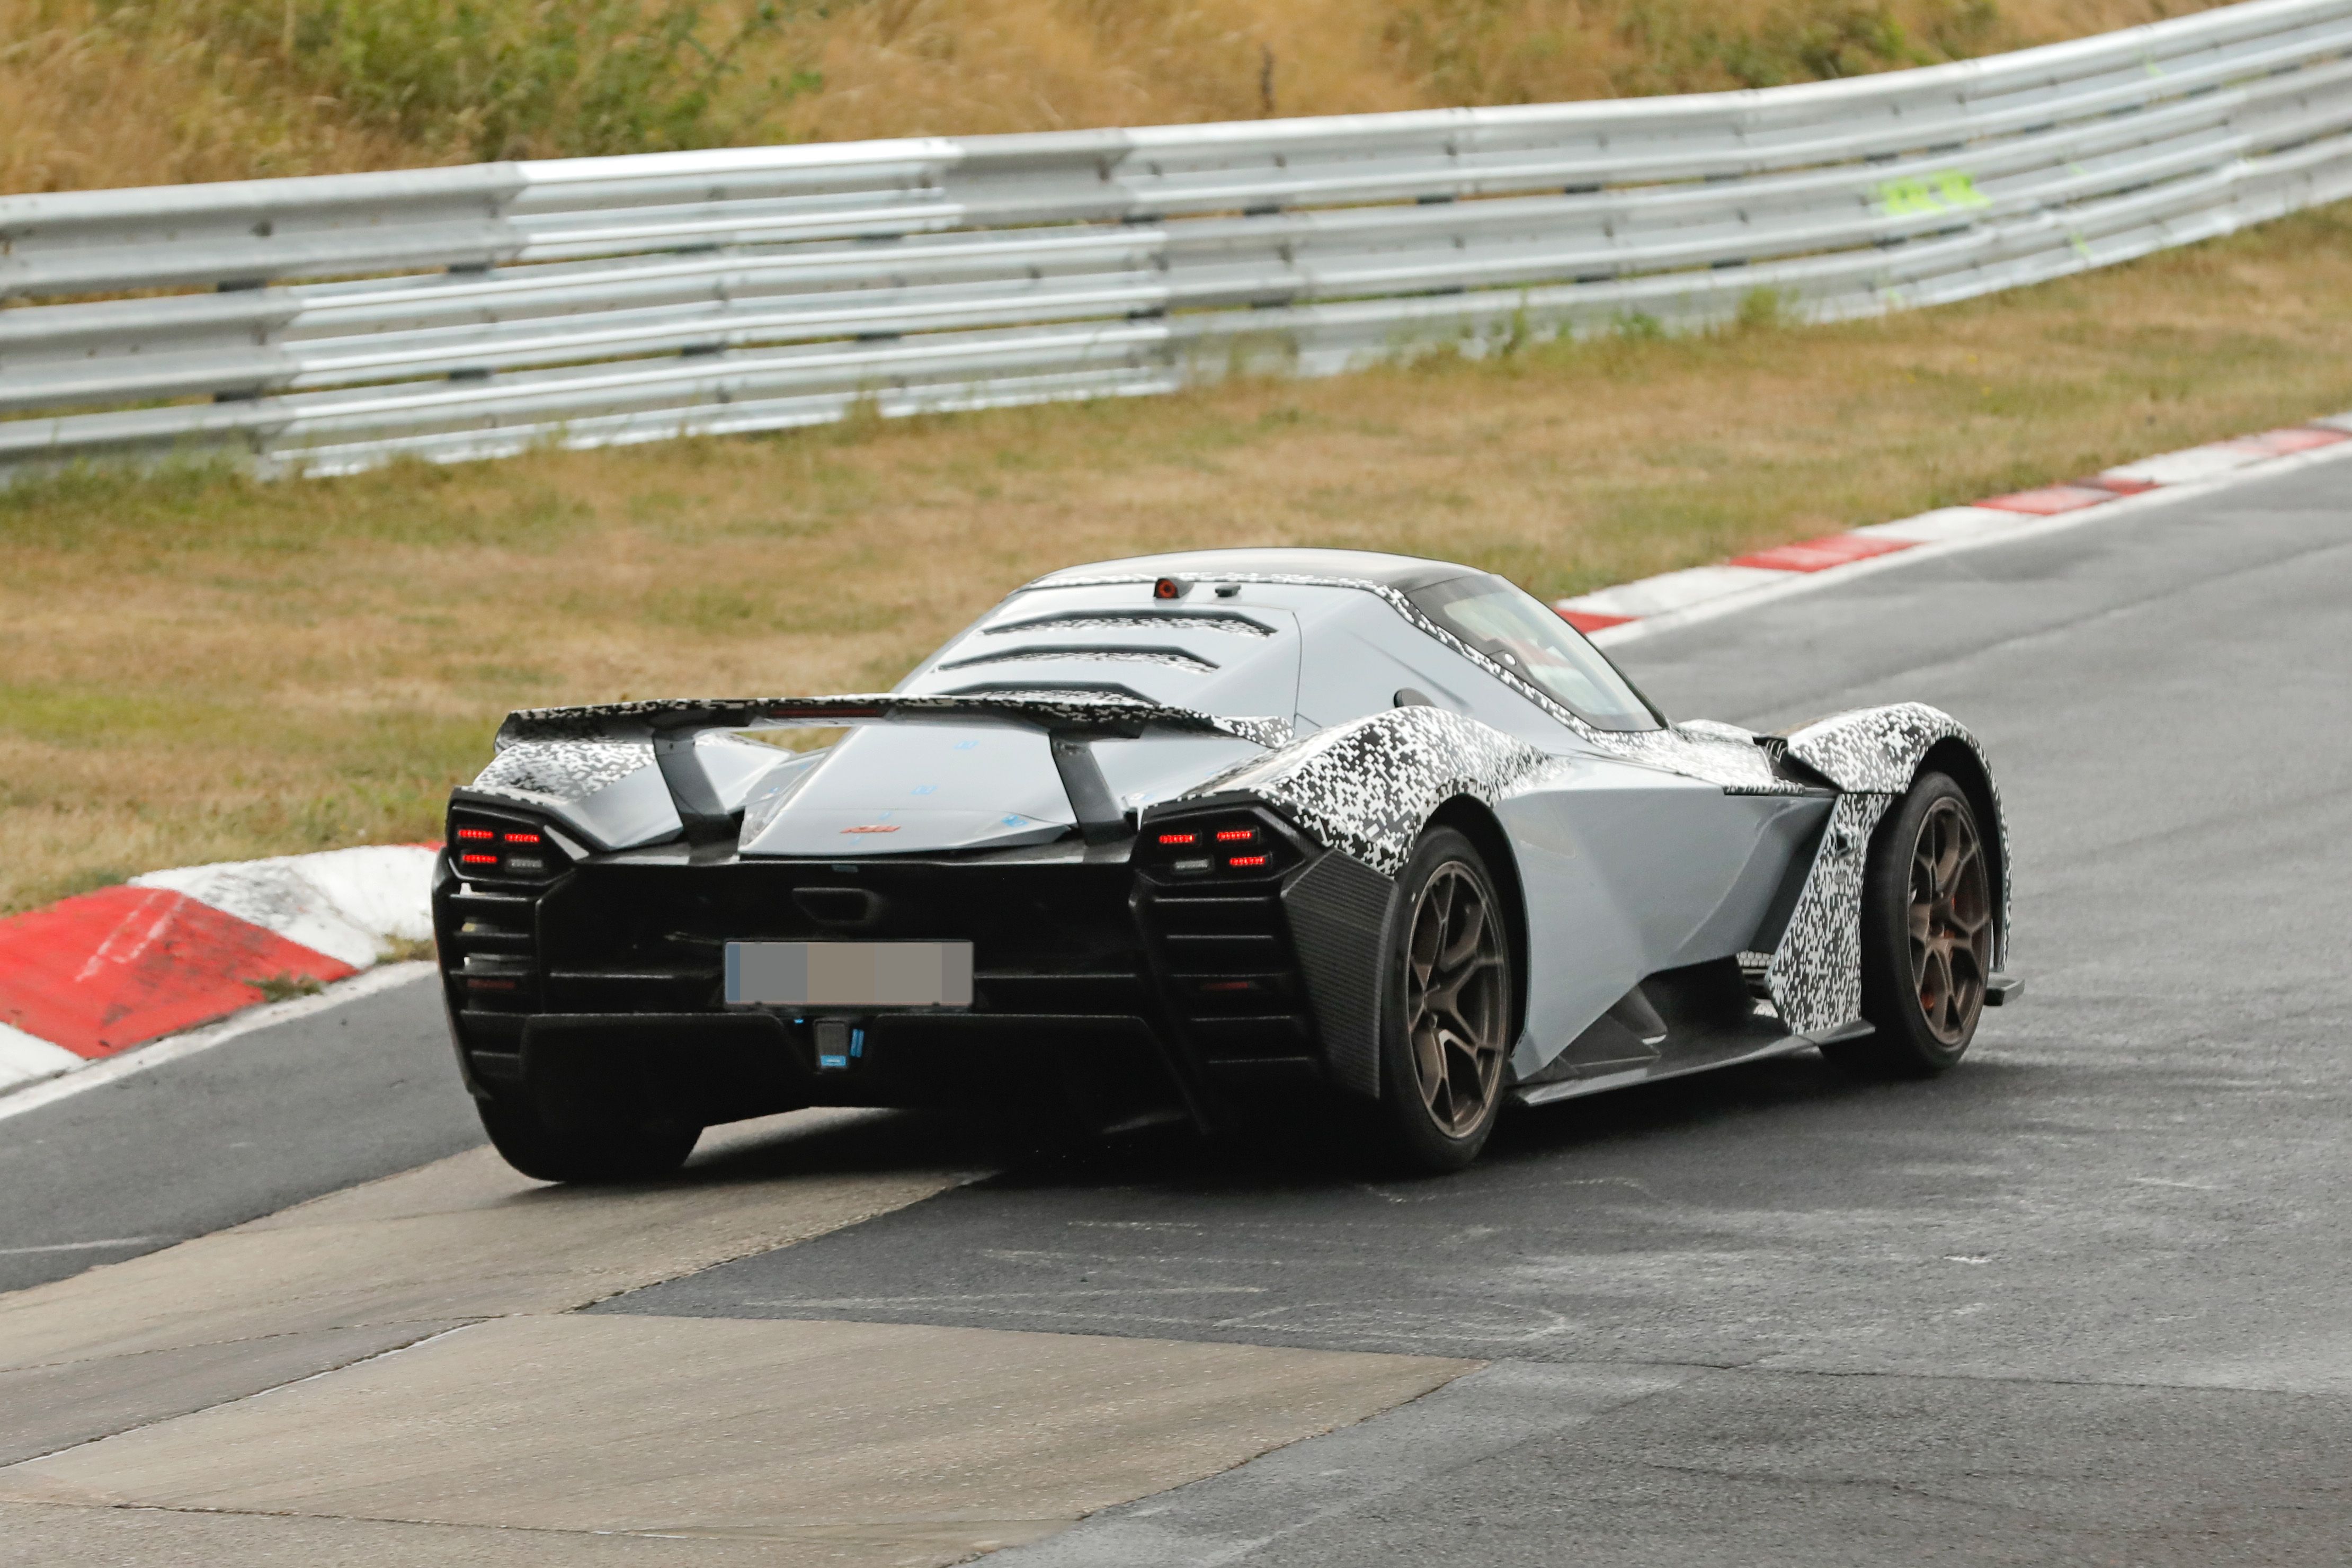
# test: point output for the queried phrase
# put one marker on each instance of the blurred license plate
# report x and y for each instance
(850, 974)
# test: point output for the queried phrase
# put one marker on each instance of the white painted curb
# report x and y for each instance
(345, 903)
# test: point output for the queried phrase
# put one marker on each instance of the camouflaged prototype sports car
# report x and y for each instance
(1228, 835)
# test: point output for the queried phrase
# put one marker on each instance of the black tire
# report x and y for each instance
(1446, 1010)
(1926, 935)
(602, 1151)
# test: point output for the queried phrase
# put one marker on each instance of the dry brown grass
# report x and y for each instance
(197, 667)
(128, 92)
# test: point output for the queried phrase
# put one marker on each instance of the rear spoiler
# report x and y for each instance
(1072, 722)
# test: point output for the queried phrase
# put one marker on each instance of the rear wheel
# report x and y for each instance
(1926, 935)
(1445, 1019)
(615, 1151)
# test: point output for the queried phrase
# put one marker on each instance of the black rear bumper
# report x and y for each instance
(1117, 982)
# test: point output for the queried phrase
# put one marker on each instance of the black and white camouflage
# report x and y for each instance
(1369, 787)
(1879, 750)
(1815, 975)
(561, 773)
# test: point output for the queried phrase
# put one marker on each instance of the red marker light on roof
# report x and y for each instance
(1236, 835)
(1246, 860)
(522, 837)
(1168, 588)
(476, 833)
(1178, 837)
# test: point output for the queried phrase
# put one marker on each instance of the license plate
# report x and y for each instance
(850, 974)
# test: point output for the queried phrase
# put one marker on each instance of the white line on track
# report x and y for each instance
(141, 1058)
(81, 1246)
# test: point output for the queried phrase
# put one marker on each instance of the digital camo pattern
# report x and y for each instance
(564, 771)
(1815, 976)
(1368, 786)
(1874, 750)
(1719, 753)
(1879, 749)
(1272, 733)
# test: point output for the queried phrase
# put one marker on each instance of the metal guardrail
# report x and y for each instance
(590, 301)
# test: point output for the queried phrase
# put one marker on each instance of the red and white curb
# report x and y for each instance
(1698, 592)
(89, 978)
(94, 976)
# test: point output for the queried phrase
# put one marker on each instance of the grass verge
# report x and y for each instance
(195, 666)
(236, 89)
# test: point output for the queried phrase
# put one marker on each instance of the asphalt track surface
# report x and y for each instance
(260, 1121)
(2083, 1300)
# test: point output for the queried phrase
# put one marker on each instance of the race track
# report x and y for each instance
(2081, 1302)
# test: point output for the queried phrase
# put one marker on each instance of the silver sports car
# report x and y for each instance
(1230, 837)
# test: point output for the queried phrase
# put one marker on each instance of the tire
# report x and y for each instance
(606, 1151)
(1446, 1023)
(1926, 935)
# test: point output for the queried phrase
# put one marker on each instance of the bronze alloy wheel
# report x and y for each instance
(1951, 922)
(1457, 1007)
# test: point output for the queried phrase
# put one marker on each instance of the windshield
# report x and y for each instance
(1511, 628)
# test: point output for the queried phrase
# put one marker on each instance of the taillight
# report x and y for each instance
(483, 846)
(1237, 845)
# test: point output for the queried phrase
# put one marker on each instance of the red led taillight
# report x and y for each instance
(1180, 837)
(1246, 860)
(476, 833)
(522, 837)
(470, 860)
(1236, 835)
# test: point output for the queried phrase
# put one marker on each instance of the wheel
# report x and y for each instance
(1926, 935)
(602, 1151)
(1445, 1017)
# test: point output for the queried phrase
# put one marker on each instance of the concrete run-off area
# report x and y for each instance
(406, 1351)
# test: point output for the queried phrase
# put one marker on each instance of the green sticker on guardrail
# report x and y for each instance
(1947, 190)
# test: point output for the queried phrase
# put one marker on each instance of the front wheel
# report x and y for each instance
(1446, 1013)
(1926, 935)
(615, 1151)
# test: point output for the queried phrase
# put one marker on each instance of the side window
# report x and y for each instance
(1510, 627)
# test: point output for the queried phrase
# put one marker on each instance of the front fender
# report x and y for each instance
(1878, 752)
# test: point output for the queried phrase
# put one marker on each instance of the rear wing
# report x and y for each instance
(1072, 722)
